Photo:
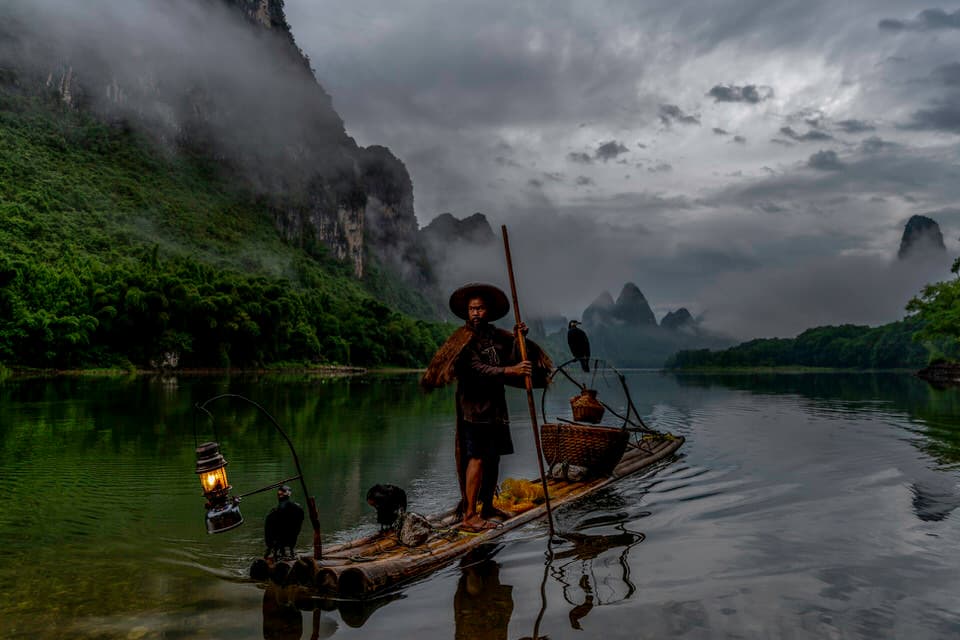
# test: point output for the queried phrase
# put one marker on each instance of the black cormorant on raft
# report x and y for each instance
(282, 525)
(379, 562)
(579, 344)
(390, 502)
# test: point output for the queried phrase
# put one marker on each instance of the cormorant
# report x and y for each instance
(579, 344)
(282, 525)
(390, 502)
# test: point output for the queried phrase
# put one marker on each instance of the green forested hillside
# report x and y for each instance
(115, 249)
(888, 346)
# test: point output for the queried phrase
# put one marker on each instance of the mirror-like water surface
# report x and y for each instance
(802, 506)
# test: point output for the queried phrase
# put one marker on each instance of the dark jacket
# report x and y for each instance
(481, 379)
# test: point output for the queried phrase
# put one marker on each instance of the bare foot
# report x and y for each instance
(495, 514)
(477, 524)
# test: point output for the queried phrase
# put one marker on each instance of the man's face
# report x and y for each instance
(476, 311)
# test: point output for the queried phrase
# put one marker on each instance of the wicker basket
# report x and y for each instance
(596, 448)
(586, 407)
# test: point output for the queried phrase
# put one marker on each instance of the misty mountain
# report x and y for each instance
(625, 331)
(600, 312)
(223, 80)
(632, 307)
(921, 237)
(678, 320)
(447, 235)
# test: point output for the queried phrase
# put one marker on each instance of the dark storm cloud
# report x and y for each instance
(770, 207)
(895, 172)
(504, 161)
(533, 182)
(946, 217)
(579, 157)
(422, 75)
(750, 93)
(781, 142)
(662, 167)
(825, 160)
(809, 115)
(698, 260)
(553, 176)
(610, 150)
(584, 181)
(670, 113)
(875, 144)
(941, 116)
(926, 20)
(855, 126)
(721, 132)
(426, 67)
(814, 135)
(948, 74)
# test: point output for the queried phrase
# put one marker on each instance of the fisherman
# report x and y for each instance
(482, 359)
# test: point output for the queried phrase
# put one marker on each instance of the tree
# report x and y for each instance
(938, 308)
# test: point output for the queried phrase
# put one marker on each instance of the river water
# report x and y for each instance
(801, 506)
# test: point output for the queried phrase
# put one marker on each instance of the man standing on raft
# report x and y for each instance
(482, 358)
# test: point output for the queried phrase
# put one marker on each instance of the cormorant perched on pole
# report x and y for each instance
(282, 525)
(579, 344)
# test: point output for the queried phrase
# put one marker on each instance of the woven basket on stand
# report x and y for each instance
(596, 448)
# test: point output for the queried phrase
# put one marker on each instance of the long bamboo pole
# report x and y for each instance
(528, 380)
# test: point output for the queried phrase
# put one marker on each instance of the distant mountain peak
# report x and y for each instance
(448, 228)
(678, 319)
(600, 310)
(632, 307)
(921, 236)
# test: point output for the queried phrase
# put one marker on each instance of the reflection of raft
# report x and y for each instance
(378, 562)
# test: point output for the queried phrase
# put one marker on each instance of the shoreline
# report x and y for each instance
(784, 369)
(323, 371)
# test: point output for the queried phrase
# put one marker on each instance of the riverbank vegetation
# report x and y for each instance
(890, 346)
(938, 308)
(117, 252)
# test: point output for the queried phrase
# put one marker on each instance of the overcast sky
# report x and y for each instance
(753, 160)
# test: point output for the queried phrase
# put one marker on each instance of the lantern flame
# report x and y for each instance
(211, 467)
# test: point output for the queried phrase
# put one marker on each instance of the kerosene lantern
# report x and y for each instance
(223, 511)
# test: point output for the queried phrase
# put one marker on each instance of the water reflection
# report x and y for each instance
(586, 570)
(282, 620)
(482, 606)
(934, 502)
(931, 424)
(582, 586)
(805, 506)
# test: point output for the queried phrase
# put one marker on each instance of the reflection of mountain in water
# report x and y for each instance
(933, 502)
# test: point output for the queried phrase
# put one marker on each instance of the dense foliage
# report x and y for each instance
(938, 307)
(114, 251)
(888, 346)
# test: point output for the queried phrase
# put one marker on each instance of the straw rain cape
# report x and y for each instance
(441, 370)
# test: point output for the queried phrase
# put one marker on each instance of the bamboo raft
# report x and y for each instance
(370, 565)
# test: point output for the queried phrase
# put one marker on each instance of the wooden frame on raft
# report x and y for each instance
(371, 565)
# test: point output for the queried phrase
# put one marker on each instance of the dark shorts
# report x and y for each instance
(484, 440)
